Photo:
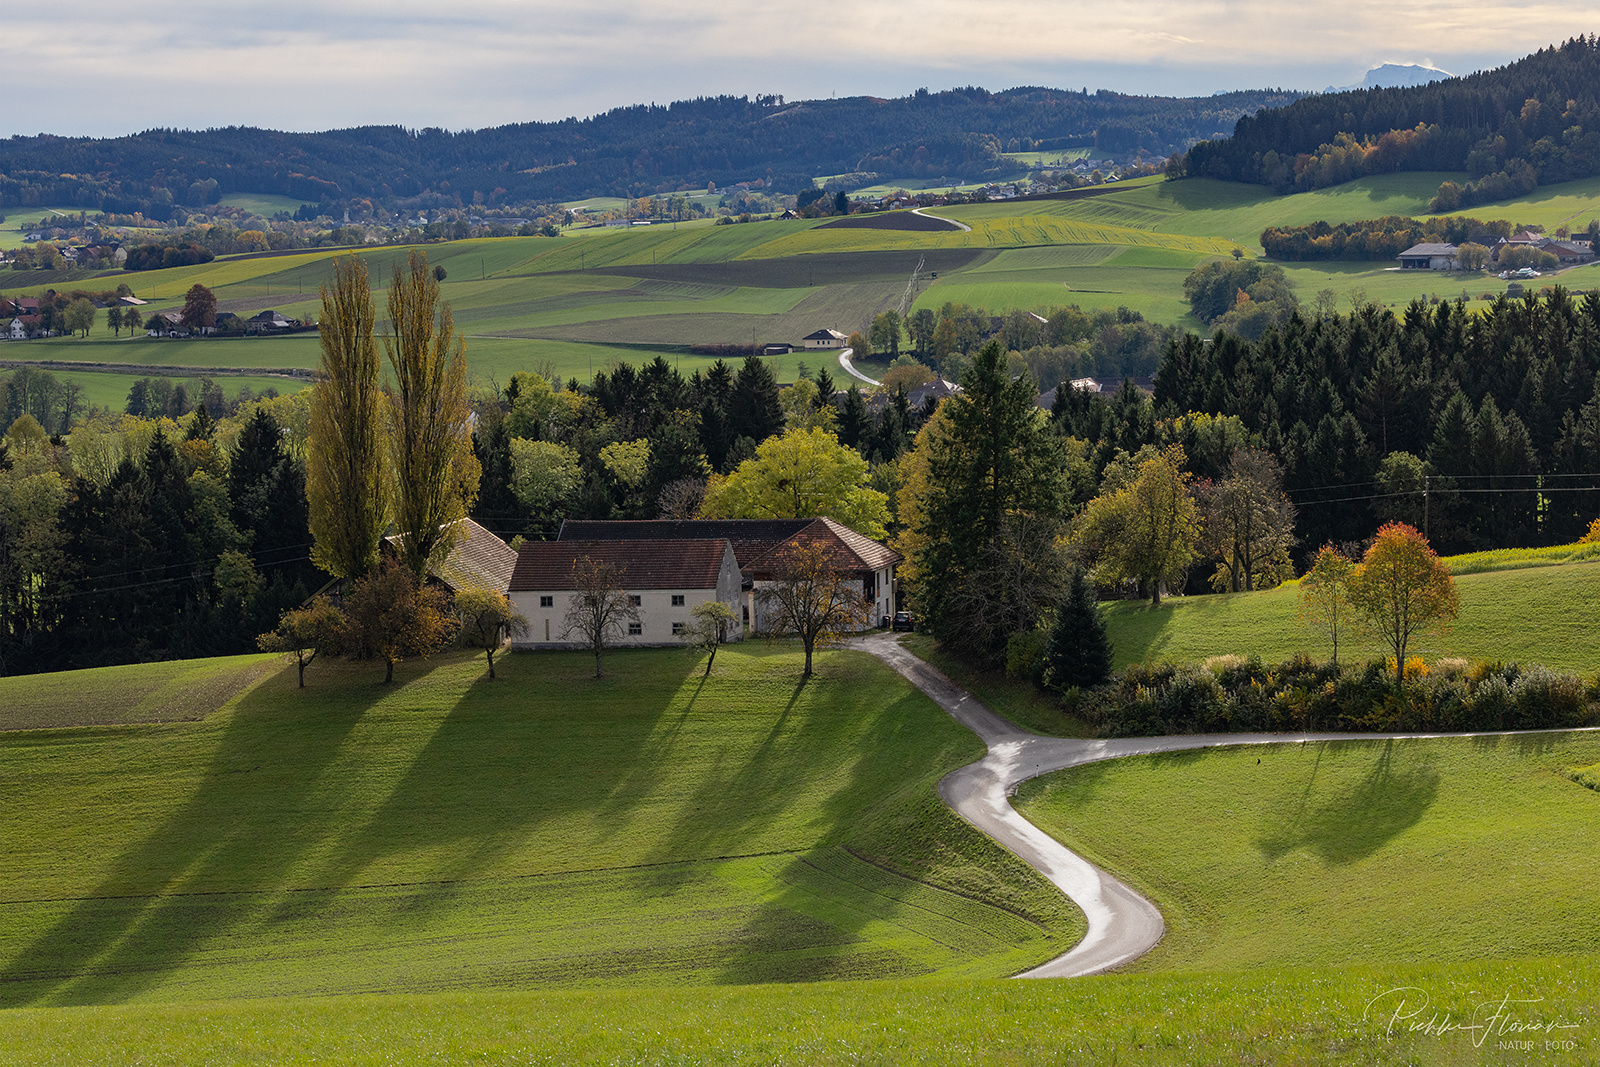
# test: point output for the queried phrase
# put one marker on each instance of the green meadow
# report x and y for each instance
(591, 297)
(1371, 1015)
(543, 831)
(1346, 853)
(1536, 615)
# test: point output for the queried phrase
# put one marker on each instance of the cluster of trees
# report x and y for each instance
(146, 539)
(159, 256)
(1533, 121)
(1374, 240)
(1481, 429)
(1244, 297)
(629, 151)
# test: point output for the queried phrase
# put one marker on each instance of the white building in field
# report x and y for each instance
(823, 339)
(663, 579)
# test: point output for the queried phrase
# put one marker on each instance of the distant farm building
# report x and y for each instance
(824, 339)
(1429, 256)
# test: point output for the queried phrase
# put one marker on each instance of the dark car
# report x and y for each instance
(904, 622)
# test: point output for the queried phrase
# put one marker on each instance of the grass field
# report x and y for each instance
(1530, 616)
(263, 204)
(1369, 852)
(448, 833)
(1276, 1016)
(692, 283)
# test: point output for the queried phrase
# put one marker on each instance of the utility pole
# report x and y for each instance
(1427, 482)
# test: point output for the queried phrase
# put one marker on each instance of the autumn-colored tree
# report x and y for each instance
(345, 487)
(1403, 590)
(487, 620)
(199, 308)
(709, 629)
(1148, 530)
(306, 633)
(802, 474)
(599, 612)
(1325, 595)
(79, 316)
(810, 597)
(434, 470)
(387, 615)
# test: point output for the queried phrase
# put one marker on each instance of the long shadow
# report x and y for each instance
(494, 770)
(168, 895)
(1358, 820)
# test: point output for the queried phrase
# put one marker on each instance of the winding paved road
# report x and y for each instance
(850, 368)
(1122, 925)
(964, 227)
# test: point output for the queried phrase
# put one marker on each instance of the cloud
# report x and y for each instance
(301, 65)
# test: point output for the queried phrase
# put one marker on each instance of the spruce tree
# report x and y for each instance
(1079, 652)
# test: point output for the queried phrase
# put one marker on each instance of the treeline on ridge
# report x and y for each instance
(631, 151)
(1535, 121)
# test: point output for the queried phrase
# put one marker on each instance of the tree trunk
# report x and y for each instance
(490, 653)
(389, 672)
(807, 672)
(597, 664)
(709, 661)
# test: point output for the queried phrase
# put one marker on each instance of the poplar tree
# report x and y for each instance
(435, 471)
(344, 482)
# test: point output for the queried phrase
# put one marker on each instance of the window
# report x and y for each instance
(547, 602)
(677, 629)
(633, 598)
(677, 600)
(635, 629)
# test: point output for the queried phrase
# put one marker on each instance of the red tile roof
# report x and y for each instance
(543, 565)
(847, 550)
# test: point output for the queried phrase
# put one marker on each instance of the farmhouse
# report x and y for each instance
(663, 579)
(1429, 256)
(824, 339)
(754, 542)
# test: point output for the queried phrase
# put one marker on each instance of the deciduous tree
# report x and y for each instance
(488, 620)
(1402, 590)
(1249, 522)
(199, 308)
(599, 612)
(811, 598)
(345, 486)
(1325, 595)
(802, 474)
(709, 629)
(387, 615)
(306, 633)
(435, 471)
(1148, 530)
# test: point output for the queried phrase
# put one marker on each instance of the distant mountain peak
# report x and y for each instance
(1393, 75)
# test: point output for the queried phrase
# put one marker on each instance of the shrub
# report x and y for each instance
(1025, 656)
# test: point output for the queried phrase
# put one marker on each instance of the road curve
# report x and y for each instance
(850, 368)
(954, 222)
(1122, 925)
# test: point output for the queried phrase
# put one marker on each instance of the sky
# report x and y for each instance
(91, 67)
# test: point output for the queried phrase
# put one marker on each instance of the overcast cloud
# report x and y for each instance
(106, 69)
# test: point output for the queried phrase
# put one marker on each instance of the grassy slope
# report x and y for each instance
(529, 299)
(449, 833)
(1348, 853)
(1273, 1016)
(1532, 616)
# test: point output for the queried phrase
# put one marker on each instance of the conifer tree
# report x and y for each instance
(1080, 652)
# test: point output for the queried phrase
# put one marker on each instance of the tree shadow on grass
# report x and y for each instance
(170, 894)
(500, 763)
(1359, 819)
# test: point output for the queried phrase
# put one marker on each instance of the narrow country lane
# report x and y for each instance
(850, 368)
(1122, 925)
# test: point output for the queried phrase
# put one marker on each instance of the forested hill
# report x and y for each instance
(629, 151)
(1533, 121)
